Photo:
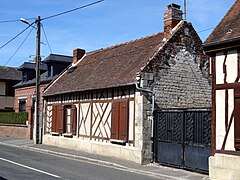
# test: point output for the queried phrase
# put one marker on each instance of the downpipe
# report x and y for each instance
(152, 113)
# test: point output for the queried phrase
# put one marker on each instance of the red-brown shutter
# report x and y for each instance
(123, 121)
(54, 118)
(74, 120)
(237, 123)
(115, 121)
(60, 118)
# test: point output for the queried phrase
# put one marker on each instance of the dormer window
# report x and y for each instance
(50, 71)
(24, 76)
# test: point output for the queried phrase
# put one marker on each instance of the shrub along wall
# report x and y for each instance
(14, 124)
(13, 118)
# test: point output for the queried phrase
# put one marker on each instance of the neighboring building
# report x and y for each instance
(25, 90)
(103, 103)
(9, 76)
(223, 47)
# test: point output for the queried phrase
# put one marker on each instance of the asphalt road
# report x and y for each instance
(18, 163)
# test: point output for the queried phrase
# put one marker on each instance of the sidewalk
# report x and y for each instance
(151, 169)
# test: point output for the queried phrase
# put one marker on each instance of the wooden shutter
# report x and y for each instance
(237, 123)
(123, 121)
(60, 118)
(115, 120)
(54, 118)
(74, 120)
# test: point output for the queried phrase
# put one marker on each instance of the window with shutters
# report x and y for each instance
(64, 119)
(70, 120)
(237, 123)
(119, 124)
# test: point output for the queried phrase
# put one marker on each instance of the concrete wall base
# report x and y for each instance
(223, 166)
(101, 148)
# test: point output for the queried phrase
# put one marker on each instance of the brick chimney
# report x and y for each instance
(78, 54)
(172, 16)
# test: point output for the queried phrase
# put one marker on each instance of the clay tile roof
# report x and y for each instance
(10, 73)
(110, 67)
(229, 27)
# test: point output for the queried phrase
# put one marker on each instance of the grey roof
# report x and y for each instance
(43, 79)
(10, 73)
(58, 58)
(29, 65)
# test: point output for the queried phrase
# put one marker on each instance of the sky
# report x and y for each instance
(98, 26)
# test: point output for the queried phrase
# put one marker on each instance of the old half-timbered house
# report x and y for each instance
(223, 48)
(104, 102)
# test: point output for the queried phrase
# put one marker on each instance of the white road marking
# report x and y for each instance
(37, 170)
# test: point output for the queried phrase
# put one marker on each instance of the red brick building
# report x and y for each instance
(24, 99)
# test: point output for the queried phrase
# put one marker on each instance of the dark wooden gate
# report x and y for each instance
(182, 138)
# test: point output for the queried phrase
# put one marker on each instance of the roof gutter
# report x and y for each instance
(222, 44)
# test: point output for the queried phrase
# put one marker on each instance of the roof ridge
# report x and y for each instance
(60, 55)
(124, 43)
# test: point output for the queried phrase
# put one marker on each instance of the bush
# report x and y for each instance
(13, 118)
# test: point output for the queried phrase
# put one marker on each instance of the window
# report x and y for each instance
(50, 71)
(237, 123)
(64, 119)
(24, 76)
(22, 105)
(120, 116)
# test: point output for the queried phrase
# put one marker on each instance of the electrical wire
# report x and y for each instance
(16, 36)
(19, 47)
(46, 38)
(205, 30)
(65, 12)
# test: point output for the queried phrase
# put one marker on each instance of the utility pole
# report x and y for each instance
(38, 59)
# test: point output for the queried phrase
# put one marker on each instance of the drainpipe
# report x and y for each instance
(149, 91)
(153, 100)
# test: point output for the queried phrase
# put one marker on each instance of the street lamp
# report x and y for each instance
(37, 139)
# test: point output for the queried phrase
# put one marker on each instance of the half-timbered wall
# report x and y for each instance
(95, 123)
(94, 112)
(226, 77)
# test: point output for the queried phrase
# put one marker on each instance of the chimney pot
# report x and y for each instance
(172, 16)
(78, 54)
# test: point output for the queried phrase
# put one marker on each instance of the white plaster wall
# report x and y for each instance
(220, 117)
(230, 139)
(232, 66)
(84, 120)
(2, 88)
(49, 119)
(101, 120)
(131, 121)
(219, 68)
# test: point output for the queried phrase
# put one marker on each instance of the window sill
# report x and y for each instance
(117, 141)
(68, 135)
(54, 133)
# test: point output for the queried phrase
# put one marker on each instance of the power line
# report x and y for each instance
(19, 47)
(205, 30)
(16, 36)
(65, 12)
(46, 38)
